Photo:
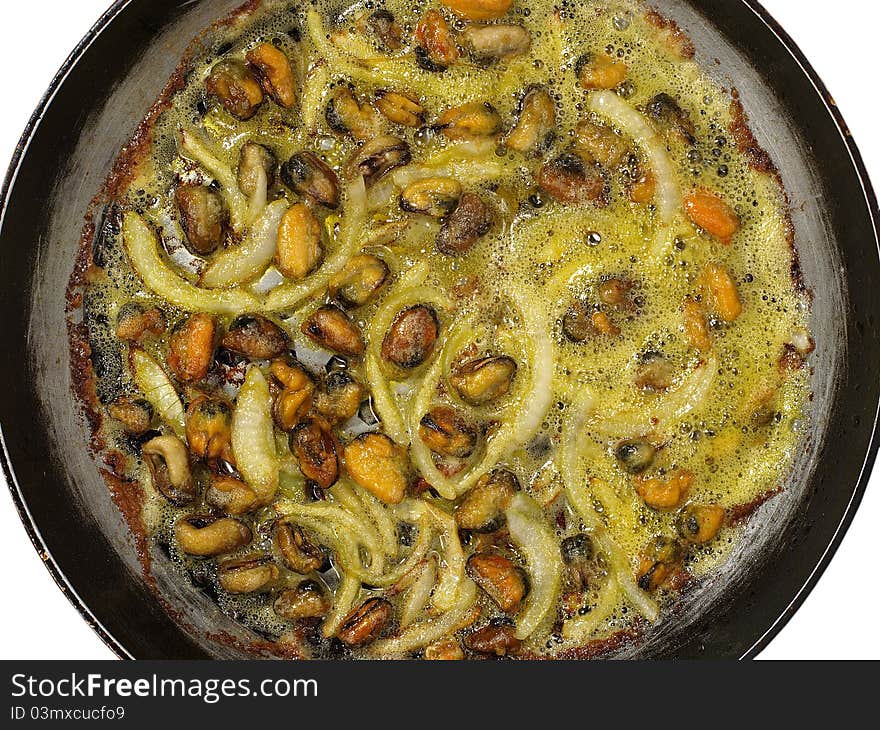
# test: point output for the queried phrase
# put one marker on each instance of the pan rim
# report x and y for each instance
(18, 157)
(857, 493)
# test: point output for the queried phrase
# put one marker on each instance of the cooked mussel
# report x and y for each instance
(168, 461)
(236, 87)
(307, 174)
(378, 156)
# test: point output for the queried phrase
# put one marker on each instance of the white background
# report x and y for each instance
(39, 623)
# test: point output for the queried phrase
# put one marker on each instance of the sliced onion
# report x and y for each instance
(581, 628)
(460, 80)
(346, 497)
(579, 498)
(536, 541)
(419, 594)
(245, 261)
(523, 419)
(253, 436)
(452, 570)
(346, 594)
(663, 415)
(143, 252)
(193, 146)
(314, 90)
(158, 389)
(345, 546)
(425, 632)
(260, 197)
(380, 515)
(633, 124)
(344, 532)
(405, 293)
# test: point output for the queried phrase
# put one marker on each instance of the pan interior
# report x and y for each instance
(129, 83)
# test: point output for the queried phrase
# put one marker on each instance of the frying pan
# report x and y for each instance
(92, 108)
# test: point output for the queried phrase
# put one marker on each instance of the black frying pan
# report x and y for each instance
(90, 111)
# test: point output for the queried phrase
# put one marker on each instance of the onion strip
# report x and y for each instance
(346, 594)
(512, 433)
(631, 122)
(143, 252)
(580, 628)
(342, 520)
(158, 389)
(419, 593)
(344, 535)
(238, 264)
(419, 635)
(379, 514)
(343, 544)
(633, 422)
(408, 290)
(452, 570)
(314, 89)
(458, 80)
(582, 504)
(537, 542)
(347, 498)
(253, 436)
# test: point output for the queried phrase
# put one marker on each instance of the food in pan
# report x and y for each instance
(451, 330)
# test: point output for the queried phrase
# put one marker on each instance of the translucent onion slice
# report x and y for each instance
(665, 413)
(419, 635)
(346, 534)
(253, 436)
(536, 541)
(384, 401)
(523, 418)
(344, 545)
(315, 86)
(460, 80)
(635, 125)
(452, 570)
(579, 498)
(260, 197)
(349, 500)
(158, 389)
(346, 594)
(193, 146)
(238, 264)
(351, 238)
(143, 252)
(379, 513)
(350, 517)
(419, 594)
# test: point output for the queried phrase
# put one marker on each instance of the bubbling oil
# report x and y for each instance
(552, 253)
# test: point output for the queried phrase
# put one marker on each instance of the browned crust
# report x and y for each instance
(741, 513)
(83, 381)
(684, 45)
(262, 649)
(128, 495)
(746, 142)
(761, 161)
